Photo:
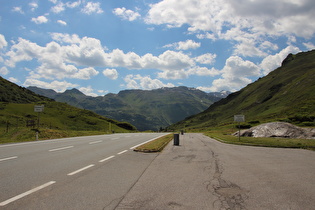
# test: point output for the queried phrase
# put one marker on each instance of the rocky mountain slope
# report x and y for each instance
(285, 94)
(145, 109)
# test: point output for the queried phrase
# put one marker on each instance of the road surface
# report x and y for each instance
(205, 174)
(74, 173)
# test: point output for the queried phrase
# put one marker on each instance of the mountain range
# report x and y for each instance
(285, 94)
(145, 109)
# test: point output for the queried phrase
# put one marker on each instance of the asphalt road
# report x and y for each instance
(74, 173)
(205, 174)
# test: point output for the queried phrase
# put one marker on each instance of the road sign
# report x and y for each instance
(38, 108)
(239, 118)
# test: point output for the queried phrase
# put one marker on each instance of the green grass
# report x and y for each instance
(226, 137)
(156, 145)
(26, 134)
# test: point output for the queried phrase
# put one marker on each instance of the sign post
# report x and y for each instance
(38, 109)
(239, 119)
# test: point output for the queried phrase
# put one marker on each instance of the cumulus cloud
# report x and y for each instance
(126, 14)
(88, 91)
(58, 8)
(92, 7)
(3, 42)
(18, 9)
(33, 6)
(39, 20)
(61, 22)
(272, 62)
(186, 45)
(235, 75)
(111, 73)
(59, 86)
(69, 56)
(144, 82)
(4, 70)
(207, 58)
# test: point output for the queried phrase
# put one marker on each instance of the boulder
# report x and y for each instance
(279, 129)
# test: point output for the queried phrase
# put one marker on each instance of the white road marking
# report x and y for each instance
(114, 138)
(119, 153)
(145, 142)
(26, 193)
(61, 148)
(106, 159)
(95, 142)
(82, 169)
(8, 158)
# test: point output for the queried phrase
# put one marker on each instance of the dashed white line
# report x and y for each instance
(119, 153)
(61, 148)
(95, 142)
(26, 193)
(106, 159)
(8, 158)
(82, 169)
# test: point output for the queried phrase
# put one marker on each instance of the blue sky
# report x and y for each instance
(102, 47)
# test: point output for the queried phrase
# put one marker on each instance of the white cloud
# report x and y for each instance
(111, 73)
(58, 86)
(207, 58)
(58, 8)
(61, 22)
(33, 6)
(18, 9)
(3, 42)
(126, 14)
(4, 70)
(39, 20)
(68, 55)
(247, 22)
(186, 45)
(92, 7)
(308, 45)
(88, 91)
(271, 62)
(73, 4)
(14, 80)
(144, 82)
(235, 75)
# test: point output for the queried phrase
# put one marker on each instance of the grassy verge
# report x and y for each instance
(26, 134)
(156, 145)
(263, 142)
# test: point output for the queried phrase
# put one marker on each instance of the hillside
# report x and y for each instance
(146, 109)
(10, 92)
(285, 94)
(17, 111)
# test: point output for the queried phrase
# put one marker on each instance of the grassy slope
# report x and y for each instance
(287, 93)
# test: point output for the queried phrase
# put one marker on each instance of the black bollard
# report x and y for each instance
(176, 139)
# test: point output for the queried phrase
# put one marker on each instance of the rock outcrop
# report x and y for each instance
(279, 129)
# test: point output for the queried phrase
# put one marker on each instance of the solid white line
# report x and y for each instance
(26, 193)
(119, 153)
(8, 158)
(61, 148)
(82, 169)
(106, 159)
(146, 142)
(95, 142)
(114, 138)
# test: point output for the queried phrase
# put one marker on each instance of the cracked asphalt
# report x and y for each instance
(203, 173)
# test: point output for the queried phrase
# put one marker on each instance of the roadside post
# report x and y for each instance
(176, 139)
(239, 119)
(38, 109)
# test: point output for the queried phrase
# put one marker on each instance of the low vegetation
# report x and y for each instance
(156, 145)
(224, 135)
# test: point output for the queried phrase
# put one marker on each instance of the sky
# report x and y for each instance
(102, 47)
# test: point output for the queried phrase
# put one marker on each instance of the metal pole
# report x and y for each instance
(239, 131)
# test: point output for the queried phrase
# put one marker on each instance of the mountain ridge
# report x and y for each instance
(285, 94)
(146, 109)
